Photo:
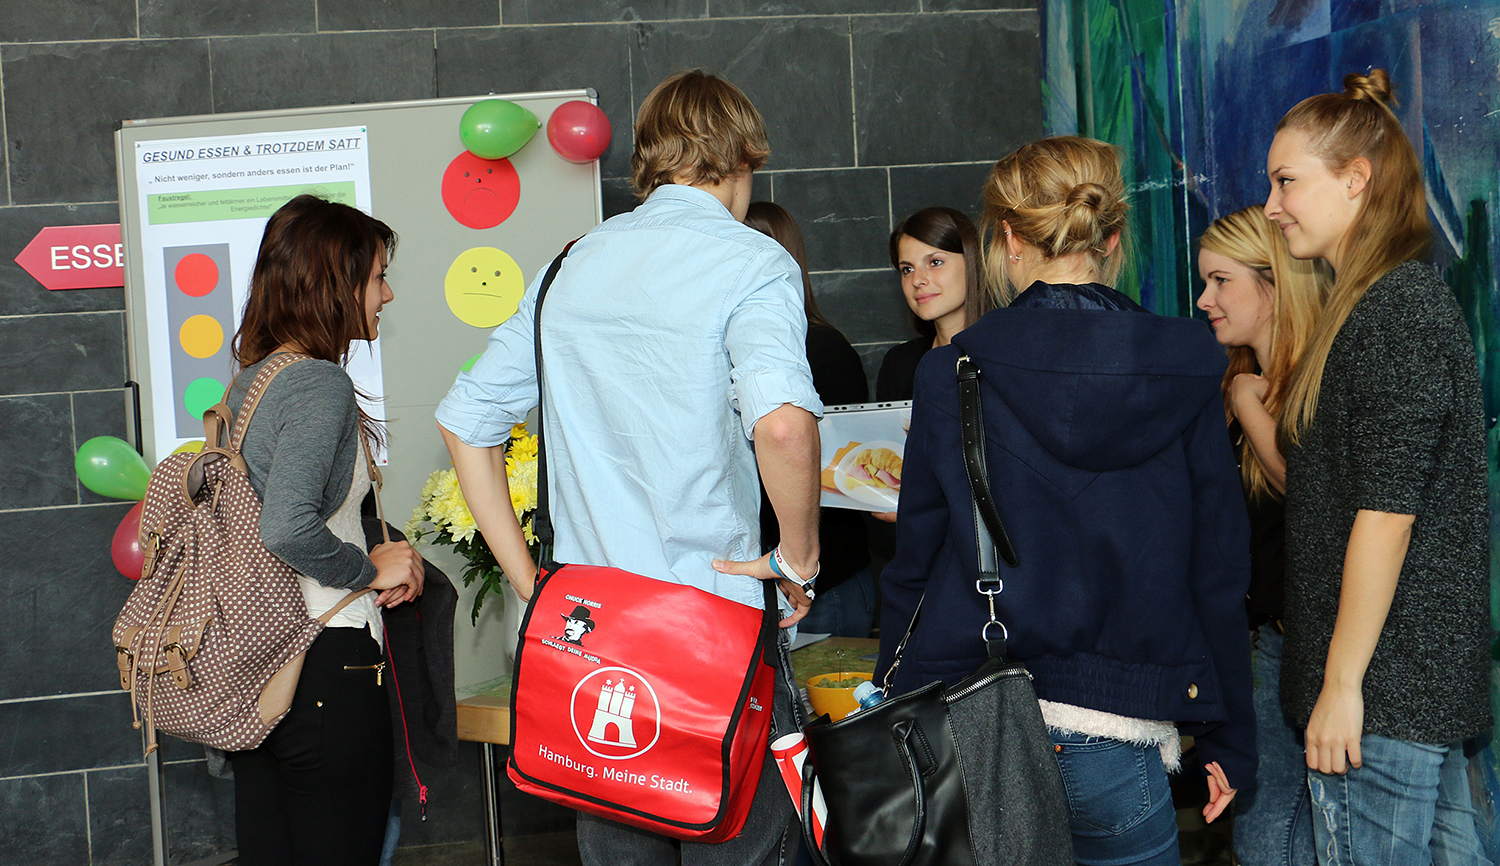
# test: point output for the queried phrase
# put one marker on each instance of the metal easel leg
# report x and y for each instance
(158, 823)
(492, 836)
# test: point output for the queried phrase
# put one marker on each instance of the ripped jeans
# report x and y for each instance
(1409, 803)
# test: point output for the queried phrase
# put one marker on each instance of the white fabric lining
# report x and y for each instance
(1067, 718)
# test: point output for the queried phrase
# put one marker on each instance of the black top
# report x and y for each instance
(1266, 600)
(898, 370)
(1399, 429)
(839, 378)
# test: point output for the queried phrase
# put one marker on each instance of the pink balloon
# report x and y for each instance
(125, 549)
(578, 131)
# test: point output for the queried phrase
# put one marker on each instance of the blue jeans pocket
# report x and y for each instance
(1106, 781)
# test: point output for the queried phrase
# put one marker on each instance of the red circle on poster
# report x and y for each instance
(196, 274)
(480, 193)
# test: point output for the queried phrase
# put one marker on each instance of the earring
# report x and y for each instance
(1017, 258)
(1349, 185)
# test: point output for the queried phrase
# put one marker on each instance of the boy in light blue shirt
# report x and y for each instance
(677, 380)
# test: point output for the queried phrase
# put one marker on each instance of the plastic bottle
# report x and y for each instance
(867, 695)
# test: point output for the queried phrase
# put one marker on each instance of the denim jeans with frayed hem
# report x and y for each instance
(1273, 820)
(769, 835)
(1119, 802)
(1408, 803)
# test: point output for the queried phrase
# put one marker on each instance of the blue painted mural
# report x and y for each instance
(1192, 91)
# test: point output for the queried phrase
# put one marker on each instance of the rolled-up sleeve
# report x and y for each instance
(766, 336)
(485, 402)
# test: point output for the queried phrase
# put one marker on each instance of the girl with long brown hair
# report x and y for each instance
(1263, 306)
(1386, 661)
(318, 789)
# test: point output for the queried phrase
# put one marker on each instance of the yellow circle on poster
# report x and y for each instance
(201, 336)
(483, 286)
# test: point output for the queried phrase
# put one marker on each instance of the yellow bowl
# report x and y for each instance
(836, 702)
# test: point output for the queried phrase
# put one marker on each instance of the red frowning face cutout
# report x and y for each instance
(480, 193)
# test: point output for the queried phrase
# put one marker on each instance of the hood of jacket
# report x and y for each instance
(1098, 389)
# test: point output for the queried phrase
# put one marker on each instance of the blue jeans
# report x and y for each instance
(847, 610)
(770, 831)
(1119, 803)
(1408, 803)
(1273, 820)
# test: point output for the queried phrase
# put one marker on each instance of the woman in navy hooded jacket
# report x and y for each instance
(1117, 484)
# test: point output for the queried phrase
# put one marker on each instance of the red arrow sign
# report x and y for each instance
(76, 257)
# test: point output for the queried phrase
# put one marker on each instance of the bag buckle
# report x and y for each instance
(984, 632)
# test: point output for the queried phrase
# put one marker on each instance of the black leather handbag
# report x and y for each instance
(959, 775)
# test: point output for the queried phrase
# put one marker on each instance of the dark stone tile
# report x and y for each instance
(455, 802)
(198, 812)
(62, 103)
(946, 88)
(36, 434)
(46, 821)
(20, 293)
(975, 5)
(866, 305)
(528, 59)
(955, 186)
(210, 18)
(405, 14)
(744, 8)
(265, 72)
(101, 413)
(59, 596)
(76, 352)
(795, 70)
(618, 195)
(48, 21)
(870, 355)
(762, 186)
(576, 11)
(844, 214)
(120, 816)
(65, 734)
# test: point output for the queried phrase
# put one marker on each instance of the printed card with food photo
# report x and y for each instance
(862, 448)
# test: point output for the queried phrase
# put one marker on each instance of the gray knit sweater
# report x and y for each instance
(300, 450)
(1399, 428)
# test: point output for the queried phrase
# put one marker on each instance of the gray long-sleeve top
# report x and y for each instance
(300, 450)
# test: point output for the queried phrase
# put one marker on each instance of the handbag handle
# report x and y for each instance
(989, 530)
(903, 732)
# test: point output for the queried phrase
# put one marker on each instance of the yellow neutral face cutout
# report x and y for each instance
(483, 286)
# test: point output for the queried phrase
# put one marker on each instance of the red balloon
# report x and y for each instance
(125, 550)
(578, 131)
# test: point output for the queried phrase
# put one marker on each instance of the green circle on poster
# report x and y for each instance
(469, 364)
(201, 395)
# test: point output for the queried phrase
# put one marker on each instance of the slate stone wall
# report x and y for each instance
(874, 107)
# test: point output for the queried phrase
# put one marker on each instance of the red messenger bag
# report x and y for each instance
(642, 701)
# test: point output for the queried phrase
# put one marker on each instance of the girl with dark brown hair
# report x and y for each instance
(318, 790)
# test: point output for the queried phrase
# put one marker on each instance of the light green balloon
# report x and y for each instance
(496, 128)
(109, 466)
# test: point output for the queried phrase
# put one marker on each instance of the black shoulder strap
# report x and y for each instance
(976, 464)
(541, 523)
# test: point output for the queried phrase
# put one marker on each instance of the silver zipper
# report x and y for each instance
(970, 689)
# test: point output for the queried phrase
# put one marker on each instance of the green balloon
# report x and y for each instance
(496, 128)
(108, 466)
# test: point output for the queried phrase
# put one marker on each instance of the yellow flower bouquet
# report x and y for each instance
(442, 516)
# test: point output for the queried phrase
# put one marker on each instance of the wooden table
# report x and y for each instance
(485, 718)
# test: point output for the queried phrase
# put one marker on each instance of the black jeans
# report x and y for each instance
(318, 790)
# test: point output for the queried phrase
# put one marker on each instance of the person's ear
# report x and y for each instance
(1357, 176)
(1111, 244)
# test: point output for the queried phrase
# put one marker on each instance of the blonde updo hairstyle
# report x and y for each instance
(1297, 289)
(1390, 227)
(1059, 196)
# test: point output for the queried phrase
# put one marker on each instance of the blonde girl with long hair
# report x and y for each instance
(1263, 306)
(1386, 661)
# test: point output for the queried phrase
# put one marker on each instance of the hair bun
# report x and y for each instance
(1089, 195)
(1375, 87)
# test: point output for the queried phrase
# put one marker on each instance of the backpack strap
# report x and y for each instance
(257, 390)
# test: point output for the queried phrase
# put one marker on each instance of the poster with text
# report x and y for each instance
(203, 204)
(863, 445)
